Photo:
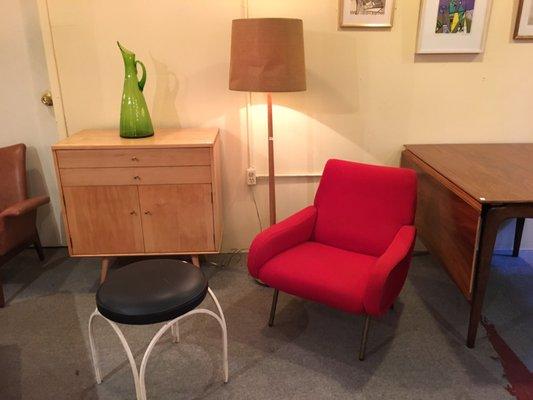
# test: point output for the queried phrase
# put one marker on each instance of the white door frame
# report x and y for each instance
(51, 63)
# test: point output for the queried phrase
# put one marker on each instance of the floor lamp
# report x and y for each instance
(267, 55)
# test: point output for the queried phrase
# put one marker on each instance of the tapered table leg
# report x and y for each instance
(489, 230)
(491, 221)
(519, 230)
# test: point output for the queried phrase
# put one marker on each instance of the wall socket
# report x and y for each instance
(251, 177)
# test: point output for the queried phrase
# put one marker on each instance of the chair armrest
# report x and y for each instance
(288, 233)
(389, 273)
(24, 206)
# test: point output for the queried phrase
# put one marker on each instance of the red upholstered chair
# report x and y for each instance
(351, 250)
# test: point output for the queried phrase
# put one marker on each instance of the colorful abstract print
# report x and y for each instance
(455, 16)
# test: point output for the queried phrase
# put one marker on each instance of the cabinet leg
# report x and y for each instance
(195, 260)
(106, 262)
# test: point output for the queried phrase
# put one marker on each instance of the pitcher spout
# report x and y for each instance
(126, 54)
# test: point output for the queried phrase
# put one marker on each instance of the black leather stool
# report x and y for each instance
(149, 292)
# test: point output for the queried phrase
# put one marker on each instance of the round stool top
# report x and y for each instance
(151, 291)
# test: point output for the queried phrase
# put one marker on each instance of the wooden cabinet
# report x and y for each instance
(157, 195)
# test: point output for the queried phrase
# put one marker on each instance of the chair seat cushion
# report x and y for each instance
(321, 273)
(151, 291)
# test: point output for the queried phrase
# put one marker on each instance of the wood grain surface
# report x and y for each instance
(490, 173)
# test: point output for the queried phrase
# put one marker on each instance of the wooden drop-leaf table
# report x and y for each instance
(465, 193)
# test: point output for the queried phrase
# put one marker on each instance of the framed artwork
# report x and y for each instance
(365, 13)
(524, 20)
(453, 26)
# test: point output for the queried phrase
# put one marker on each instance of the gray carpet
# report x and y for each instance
(415, 352)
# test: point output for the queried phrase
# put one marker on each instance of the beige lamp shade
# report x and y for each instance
(267, 55)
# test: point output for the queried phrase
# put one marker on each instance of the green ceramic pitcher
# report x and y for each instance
(135, 119)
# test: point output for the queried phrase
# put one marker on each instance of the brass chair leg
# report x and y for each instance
(364, 338)
(273, 308)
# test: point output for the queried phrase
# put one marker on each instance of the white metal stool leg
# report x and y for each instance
(224, 327)
(220, 319)
(139, 377)
(126, 349)
(175, 331)
(96, 363)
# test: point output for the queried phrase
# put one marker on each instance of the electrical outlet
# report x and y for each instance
(251, 177)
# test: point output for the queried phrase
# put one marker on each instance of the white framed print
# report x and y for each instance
(366, 13)
(524, 20)
(453, 26)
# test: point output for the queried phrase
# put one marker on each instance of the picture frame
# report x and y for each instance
(366, 13)
(524, 21)
(453, 26)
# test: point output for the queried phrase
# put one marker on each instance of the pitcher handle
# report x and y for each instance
(143, 78)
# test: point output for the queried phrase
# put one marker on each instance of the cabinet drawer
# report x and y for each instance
(133, 157)
(134, 176)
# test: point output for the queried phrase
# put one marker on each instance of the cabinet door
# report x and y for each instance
(104, 219)
(177, 218)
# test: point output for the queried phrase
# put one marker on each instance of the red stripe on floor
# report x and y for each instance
(519, 377)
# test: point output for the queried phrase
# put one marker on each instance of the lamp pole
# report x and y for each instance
(271, 175)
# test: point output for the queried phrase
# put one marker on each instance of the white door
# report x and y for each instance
(24, 118)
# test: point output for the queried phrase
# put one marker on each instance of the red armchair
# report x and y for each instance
(17, 212)
(351, 250)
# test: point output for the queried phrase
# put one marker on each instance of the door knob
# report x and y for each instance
(133, 213)
(147, 213)
(46, 99)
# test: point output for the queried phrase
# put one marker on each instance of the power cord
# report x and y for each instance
(257, 210)
(234, 256)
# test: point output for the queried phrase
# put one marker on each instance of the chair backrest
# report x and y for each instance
(361, 207)
(13, 175)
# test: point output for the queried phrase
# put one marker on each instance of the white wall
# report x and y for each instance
(367, 92)
(24, 119)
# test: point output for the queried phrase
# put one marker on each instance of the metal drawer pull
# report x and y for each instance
(134, 158)
(137, 177)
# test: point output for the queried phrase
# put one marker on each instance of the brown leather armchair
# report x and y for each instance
(17, 212)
